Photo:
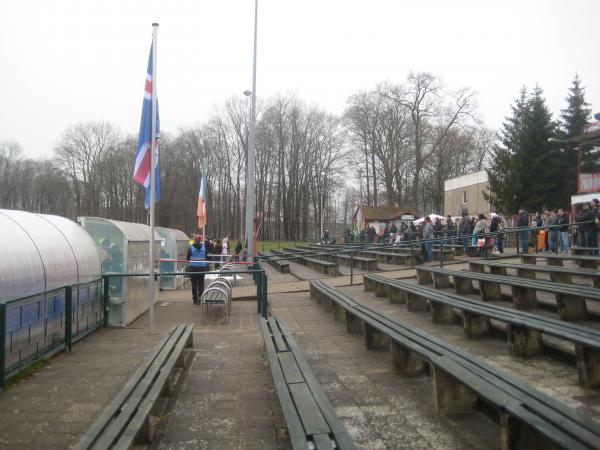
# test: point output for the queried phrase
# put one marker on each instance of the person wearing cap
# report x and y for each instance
(198, 265)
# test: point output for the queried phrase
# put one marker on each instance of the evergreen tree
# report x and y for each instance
(525, 169)
(577, 114)
(573, 121)
(539, 161)
(503, 173)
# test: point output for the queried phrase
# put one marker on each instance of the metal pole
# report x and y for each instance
(106, 299)
(351, 267)
(152, 179)
(68, 318)
(2, 344)
(321, 235)
(578, 164)
(203, 173)
(251, 151)
(245, 199)
(265, 283)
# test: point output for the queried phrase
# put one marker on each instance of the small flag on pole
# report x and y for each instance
(141, 170)
(201, 213)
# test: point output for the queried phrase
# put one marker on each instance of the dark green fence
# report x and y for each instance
(37, 326)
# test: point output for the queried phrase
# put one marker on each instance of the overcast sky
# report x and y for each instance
(66, 61)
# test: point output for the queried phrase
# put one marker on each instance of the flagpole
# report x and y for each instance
(203, 170)
(152, 179)
(251, 151)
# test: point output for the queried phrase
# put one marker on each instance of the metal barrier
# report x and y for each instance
(37, 326)
(219, 291)
(257, 272)
(443, 242)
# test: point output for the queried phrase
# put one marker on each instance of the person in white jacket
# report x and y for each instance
(225, 251)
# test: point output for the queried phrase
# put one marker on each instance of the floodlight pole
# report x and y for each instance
(250, 200)
(248, 94)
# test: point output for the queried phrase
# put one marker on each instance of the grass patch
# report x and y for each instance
(267, 246)
(26, 373)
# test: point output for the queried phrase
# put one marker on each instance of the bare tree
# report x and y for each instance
(434, 111)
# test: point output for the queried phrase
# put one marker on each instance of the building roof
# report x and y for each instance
(382, 212)
(466, 180)
(591, 137)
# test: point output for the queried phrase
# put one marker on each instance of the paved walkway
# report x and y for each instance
(381, 410)
(226, 399)
(51, 408)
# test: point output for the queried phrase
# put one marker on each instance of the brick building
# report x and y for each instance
(467, 190)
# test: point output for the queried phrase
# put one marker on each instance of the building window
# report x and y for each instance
(465, 197)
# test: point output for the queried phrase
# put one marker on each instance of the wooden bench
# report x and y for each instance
(590, 251)
(585, 262)
(310, 419)
(558, 274)
(459, 250)
(528, 418)
(523, 330)
(296, 250)
(282, 265)
(360, 262)
(386, 257)
(570, 299)
(325, 267)
(127, 420)
(449, 253)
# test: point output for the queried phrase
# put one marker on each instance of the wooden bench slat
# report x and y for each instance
(310, 414)
(290, 368)
(130, 434)
(293, 423)
(323, 442)
(542, 285)
(576, 271)
(280, 344)
(566, 330)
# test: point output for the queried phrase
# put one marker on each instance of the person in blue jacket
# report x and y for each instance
(198, 265)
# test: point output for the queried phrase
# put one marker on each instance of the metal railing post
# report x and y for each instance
(106, 302)
(412, 253)
(2, 344)
(351, 267)
(265, 309)
(257, 281)
(442, 253)
(68, 318)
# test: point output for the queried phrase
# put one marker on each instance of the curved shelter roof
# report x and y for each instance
(41, 252)
(172, 233)
(132, 232)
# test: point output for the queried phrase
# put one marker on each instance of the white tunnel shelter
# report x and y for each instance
(39, 256)
(174, 245)
(124, 248)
